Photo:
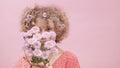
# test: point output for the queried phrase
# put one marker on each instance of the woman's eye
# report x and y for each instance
(48, 29)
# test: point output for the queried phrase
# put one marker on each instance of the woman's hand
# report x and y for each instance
(40, 66)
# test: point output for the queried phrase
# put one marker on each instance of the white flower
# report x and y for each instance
(50, 44)
(37, 36)
(37, 45)
(52, 35)
(54, 50)
(46, 35)
(26, 40)
(31, 41)
(24, 34)
(44, 14)
(29, 33)
(25, 46)
(35, 29)
(45, 54)
(28, 52)
(37, 53)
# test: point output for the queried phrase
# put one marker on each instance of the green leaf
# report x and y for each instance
(33, 48)
(40, 60)
(36, 60)
(42, 45)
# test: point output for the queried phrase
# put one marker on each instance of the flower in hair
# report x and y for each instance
(29, 18)
(62, 26)
(44, 14)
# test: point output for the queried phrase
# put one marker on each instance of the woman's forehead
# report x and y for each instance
(44, 23)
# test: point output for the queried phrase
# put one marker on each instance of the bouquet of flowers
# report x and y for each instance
(38, 46)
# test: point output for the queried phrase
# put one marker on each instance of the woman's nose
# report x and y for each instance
(42, 31)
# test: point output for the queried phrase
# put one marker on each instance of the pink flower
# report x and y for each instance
(54, 50)
(28, 52)
(45, 54)
(37, 36)
(35, 29)
(37, 53)
(50, 44)
(31, 41)
(25, 46)
(37, 45)
(46, 35)
(26, 34)
(28, 18)
(44, 14)
(52, 35)
(29, 33)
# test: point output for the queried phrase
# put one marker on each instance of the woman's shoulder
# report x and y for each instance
(69, 55)
(72, 60)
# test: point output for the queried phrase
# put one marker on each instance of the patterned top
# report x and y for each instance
(66, 60)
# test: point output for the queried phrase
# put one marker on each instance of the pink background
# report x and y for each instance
(94, 31)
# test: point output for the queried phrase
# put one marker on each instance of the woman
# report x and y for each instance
(46, 19)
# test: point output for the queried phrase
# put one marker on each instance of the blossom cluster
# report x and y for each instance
(39, 45)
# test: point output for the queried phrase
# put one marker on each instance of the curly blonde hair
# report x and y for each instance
(55, 20)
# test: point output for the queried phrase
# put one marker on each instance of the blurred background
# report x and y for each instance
(94, 35)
